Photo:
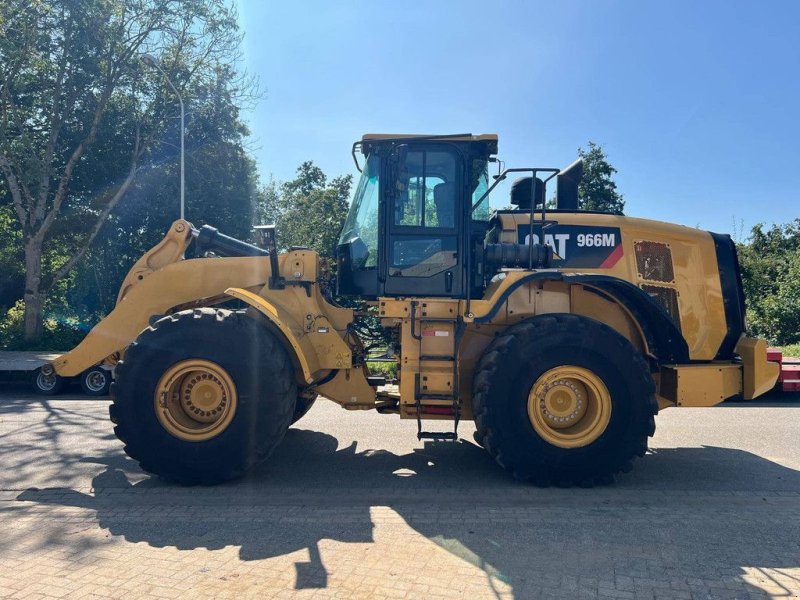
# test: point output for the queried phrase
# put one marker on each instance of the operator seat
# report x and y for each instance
(444, 198)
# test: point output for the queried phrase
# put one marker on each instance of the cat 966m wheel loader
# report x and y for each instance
(561, 333)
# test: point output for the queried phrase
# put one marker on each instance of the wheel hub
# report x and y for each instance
(563, 402)
(46, 382)
(569, 406)
(95, 381)
(204, 396)
(195, 400)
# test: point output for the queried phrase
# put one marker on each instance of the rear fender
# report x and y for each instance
(662, 337)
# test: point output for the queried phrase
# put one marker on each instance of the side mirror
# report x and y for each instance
(568, 180)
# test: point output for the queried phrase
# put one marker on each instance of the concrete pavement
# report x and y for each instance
(351, 505)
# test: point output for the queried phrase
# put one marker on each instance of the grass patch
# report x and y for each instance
(792, 350)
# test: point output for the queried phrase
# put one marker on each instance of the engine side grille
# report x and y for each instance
(654, 261)
(667, 297)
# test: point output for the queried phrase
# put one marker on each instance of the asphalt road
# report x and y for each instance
(352, 505)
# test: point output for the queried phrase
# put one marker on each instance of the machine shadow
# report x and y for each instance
(312, 490)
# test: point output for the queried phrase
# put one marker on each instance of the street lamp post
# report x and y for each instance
(152, 61)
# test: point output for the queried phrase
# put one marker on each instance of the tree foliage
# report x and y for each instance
(308, 210)
(80, 115)
(770, 265)
(597, 189)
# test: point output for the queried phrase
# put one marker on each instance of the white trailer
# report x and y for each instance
(95, 381)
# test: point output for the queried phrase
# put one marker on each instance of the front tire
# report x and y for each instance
(202, 396)
(305, 401)
(563, 399)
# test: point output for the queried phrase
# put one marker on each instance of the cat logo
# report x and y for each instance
(577, 245)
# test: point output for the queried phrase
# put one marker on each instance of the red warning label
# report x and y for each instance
(435, 333)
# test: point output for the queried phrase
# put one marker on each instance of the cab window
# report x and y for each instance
(360, 229)
(426, 190)
(479, 183)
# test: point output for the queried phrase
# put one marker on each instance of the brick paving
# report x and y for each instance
(352, 506)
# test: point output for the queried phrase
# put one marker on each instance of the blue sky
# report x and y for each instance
(696, 103)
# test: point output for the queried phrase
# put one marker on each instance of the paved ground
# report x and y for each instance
(352, 506)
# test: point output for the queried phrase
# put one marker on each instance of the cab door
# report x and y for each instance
(423, 254)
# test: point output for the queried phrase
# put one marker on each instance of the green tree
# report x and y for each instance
(770, 265)
(221, 190)
(79, 115)
(308, 210)
(597, 189)
(11, 258)
(268, 207)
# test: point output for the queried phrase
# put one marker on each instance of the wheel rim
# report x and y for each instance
(569, 406)
(95, 380)
(195, 400)
(46, 383)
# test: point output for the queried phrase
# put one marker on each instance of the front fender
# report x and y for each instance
(315, 344)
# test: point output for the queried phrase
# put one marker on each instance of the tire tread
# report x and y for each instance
(492, 365)
(271, 431)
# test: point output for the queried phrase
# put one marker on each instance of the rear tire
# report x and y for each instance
(258, 393)
(515, 375)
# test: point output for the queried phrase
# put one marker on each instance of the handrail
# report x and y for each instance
(501, 177)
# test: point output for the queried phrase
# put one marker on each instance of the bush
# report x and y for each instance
(387, 368)
(792, 350)
(59, 333)
(771, 276)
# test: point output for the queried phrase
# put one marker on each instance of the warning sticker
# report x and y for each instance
(435, 333)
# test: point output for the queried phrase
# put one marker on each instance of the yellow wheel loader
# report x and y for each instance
(561, 333)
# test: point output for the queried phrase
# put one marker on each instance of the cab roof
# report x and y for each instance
(489, 138)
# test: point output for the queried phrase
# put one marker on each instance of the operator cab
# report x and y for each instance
(411, 224)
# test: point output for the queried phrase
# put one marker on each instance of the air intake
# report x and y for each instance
(654, 261)
(521, 193)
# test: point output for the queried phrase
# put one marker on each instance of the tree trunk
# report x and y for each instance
(34, 295)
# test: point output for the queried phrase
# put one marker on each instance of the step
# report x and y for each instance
(436, 357)
(437, 435)
(423, 396)
(426, 402)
